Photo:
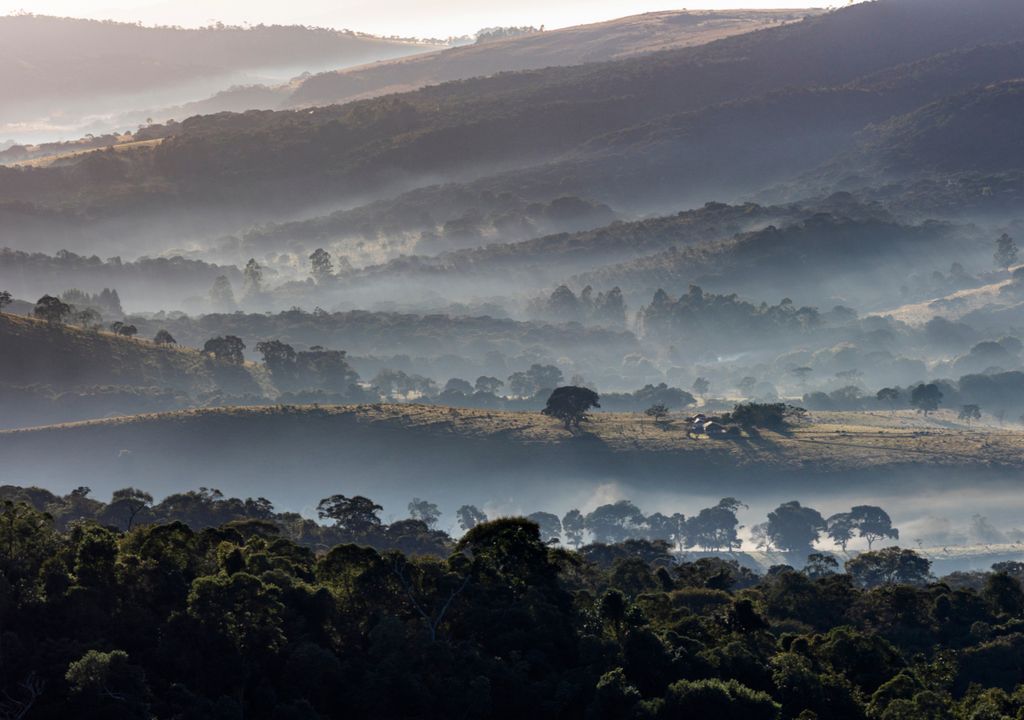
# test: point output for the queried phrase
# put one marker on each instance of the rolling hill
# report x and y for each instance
(273, 162)
(458, 456)
(612, 40)
(57, 71)
(50, 373)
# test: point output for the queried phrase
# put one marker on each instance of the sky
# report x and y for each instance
(409, 18)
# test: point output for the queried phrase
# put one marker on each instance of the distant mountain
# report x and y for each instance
(677, 127)
(52, 67)
(612, 40)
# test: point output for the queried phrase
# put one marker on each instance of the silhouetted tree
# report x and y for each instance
(357, 514)
(926, 398)
(549, 524)
(228, 348)
(969, 413)
(574, 525)
(873, 523)
(133, 501)
(322, 267)
(469, 516)
(425, 511)
(5, 299)
(793, 527)
(52, 310)
(657, 411)
(252, 278)
(888, 395)
(570, 404)
(163, 337)
(488, 385)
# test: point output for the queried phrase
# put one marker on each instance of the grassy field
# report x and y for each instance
(825, 442)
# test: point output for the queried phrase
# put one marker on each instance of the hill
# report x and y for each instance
(50, 373)
(273, 162)
(453, 456)
(58, 70)
(598, 42)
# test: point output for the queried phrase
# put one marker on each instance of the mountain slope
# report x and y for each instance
(517, 119)
(51, 67)
(598, 42)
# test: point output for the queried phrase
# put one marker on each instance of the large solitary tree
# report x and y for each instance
(570, 404)
(1006, 252)
(926, 398)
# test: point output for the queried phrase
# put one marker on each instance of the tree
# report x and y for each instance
(5, 300)
(761, 538)
(321, 266)
(840, 529)
(227, 348)
(658, 411)
(615, 522)
(88, 318)
(427, 512)
(127, 330)
(570, 404)
(279, 357)
(252, 278)
(488, 385)
(820, 565)
(163, 337)
(458, 385)
(793, 527)
(888, 395)
(133, 501)
(222, 297)
(715, 527)
(969, 413)
(470, 516)
(549, 524)
(52, 310)
(926, 398)
(1006, 252)
(574, 525)
(357, 515)
(873, 523)
(701, 386)
(889, 566)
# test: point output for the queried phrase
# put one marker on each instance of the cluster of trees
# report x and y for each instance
(701, 316)
(563, 305)
(236, 620)
(999, 393)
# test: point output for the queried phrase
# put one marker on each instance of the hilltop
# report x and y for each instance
(51, 372)
(394, 451)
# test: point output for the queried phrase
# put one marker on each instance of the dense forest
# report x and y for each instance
(236, 620)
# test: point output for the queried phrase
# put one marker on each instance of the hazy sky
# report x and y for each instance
(421, 18)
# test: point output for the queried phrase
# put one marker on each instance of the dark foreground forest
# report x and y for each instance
(236, 621)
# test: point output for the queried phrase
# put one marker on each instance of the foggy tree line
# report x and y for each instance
(791, 527)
